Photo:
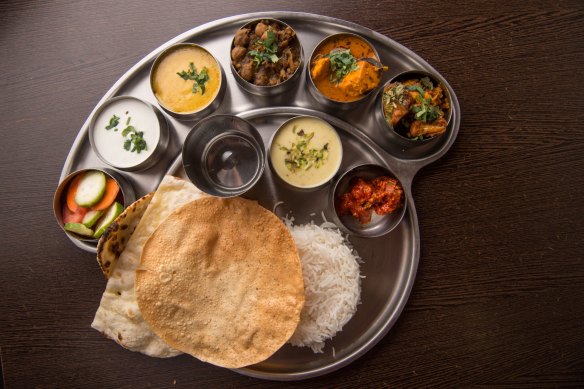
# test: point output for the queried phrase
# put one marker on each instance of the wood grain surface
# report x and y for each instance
(499, 294)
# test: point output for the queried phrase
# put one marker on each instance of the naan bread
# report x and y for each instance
(113, 242)
(221, 279)
(118, 315)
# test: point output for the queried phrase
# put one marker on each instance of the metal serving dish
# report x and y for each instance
(204, 110)
(224, 155)
(59, 199)
(321, 97)
(379, 225)
(267, 90)
(391, 134)
(272, 146)
(389, 274)
(159, 148)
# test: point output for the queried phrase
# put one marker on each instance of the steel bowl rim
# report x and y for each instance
(334, 195)
(124, 184)
(397, 77)
(299, 188)
(267, 90)
(161, 145)
(191, 114)
(314, 89)
(260, 149)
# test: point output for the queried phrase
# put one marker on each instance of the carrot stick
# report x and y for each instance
(111, 192)
(71, 204)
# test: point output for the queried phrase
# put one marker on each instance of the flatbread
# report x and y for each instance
(118, 316)
(221, 279)
(113, 242)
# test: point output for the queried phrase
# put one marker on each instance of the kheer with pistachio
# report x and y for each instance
(306, 152)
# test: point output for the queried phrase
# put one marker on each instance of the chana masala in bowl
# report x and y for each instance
(266, 56)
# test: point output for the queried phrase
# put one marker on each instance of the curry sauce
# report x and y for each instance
(356, 78)
(178, 82)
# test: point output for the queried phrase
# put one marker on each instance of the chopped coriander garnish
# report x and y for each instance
(199, 78)
(127, 130)
(426, 111)
(136, 142)
(267, 51)
(417, 88)
(342, 63)
(300, 156)
(113, 122)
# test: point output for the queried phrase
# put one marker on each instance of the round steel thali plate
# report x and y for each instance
(389, 262)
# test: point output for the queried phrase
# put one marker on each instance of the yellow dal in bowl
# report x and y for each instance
(175, 93)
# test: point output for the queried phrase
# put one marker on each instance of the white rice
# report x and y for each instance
(331, 282)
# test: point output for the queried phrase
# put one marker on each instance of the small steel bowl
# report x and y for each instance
(272, 146)
(203, 111)
(317, 94)
(269, 90)
(101, 118)
(379, 225)
(390, 132)
(60, 198)
(224, 155)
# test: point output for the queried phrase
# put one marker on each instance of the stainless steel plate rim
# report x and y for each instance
(390, 311)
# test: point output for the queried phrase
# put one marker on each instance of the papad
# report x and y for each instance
(118, 315)
(221, 279)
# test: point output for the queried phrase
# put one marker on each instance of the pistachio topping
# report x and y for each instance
(300, 156)
(393, 97)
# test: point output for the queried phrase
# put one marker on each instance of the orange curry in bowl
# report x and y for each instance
(337, 71)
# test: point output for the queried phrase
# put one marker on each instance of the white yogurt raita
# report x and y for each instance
(109, 141)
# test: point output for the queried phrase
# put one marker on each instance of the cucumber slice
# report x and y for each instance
(91, 218)
(91, 188)
(110, 215)
(79, 229)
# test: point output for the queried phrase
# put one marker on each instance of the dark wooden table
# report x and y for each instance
(499, 294)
